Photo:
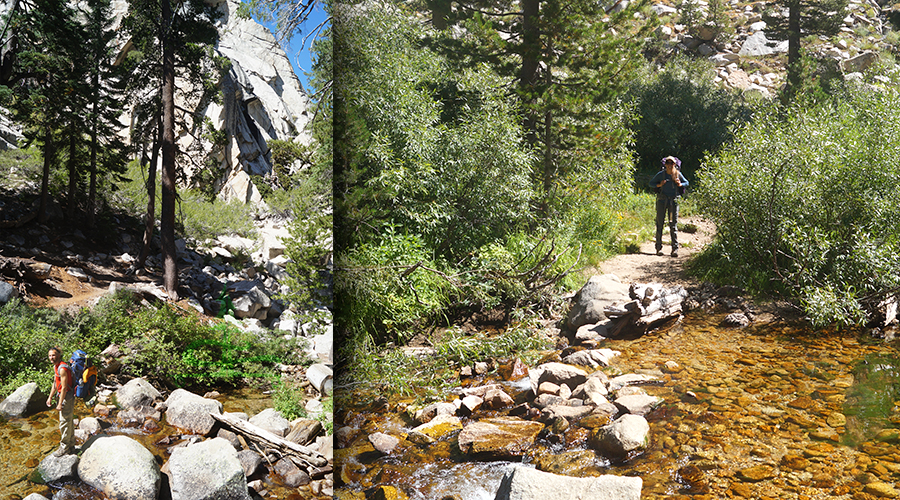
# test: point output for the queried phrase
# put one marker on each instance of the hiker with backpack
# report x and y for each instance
(64, 384)
(668, 184)
(78, 378)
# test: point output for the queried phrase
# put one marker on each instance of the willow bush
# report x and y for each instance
(806, 204)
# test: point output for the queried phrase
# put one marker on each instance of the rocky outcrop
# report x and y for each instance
(206, 471)
(525, 483)
(191, 412)
(26, 400)
(121, 468)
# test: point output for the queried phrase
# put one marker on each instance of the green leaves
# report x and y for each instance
(807, 197)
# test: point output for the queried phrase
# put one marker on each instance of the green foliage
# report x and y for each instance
(202, 219)
(805, 202)
(681, 112)
(161, 343)
(289, 399)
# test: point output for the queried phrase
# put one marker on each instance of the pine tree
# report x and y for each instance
(170, 43)
(793, 20)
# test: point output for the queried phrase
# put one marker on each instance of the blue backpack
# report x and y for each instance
(85, 374)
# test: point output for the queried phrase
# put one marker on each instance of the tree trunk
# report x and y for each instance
(92, 191)
(73, 179)
(150, 216)
(167, 215)
(49, 152)
(531, 43)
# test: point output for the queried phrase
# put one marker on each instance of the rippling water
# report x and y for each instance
(774, 411)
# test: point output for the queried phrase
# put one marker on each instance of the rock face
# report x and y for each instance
(206, 471)
(27, 400)
(191, 412)
(121, 468)
(524, 483)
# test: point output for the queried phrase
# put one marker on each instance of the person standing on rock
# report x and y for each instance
(64, 384)
(669, 184)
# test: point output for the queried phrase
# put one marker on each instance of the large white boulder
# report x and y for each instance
(209, 470)
(121, 468)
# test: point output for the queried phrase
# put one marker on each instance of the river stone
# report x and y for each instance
(35, 496)
(495, 398)
(25, 401)
(628, 379)
(435, 429)
(525, 483)
(189, 411)
(565, 411)
(625, 434)
(271, 420)
(757, 473)
(513, 370)
(593, 358)
(384, 443)
(250, 461)
(136, 393)
(881, 490)
(121, 468)
(52, 469)
(570, 463)
(560, 373)
(499, 438)
(600, 291)
(290, 473)
(386, 493)
(426, 414)
(209, 470)
(638, 404)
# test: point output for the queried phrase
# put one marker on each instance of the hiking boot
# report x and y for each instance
(674, 253)
(659, 252)
(63, 450)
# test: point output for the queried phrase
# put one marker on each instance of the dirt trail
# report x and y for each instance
(647, 267)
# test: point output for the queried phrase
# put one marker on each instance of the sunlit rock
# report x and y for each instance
(525, 483)
(189, 411)
(757, 473)
(209, 469)
(436, 428)
(499, 438)
(559, 374)
(53, 469)
(121, 468)
(26, 400)
(638, 404)
(626, 434)
(588, 304)
(384, 443)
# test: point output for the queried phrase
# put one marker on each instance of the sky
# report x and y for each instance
(300, 56)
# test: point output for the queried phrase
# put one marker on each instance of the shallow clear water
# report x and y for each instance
(774, 411)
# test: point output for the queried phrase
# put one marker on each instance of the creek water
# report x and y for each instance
(24, 442)
(772, 411)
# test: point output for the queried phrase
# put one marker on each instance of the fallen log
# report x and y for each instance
(311, 459)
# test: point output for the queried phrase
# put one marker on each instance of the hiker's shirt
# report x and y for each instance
(669, 190)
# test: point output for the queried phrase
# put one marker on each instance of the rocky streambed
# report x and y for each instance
(717, 401)
(139, 444)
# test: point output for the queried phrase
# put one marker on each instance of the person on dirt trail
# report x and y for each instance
(669, 184)
(64, 384)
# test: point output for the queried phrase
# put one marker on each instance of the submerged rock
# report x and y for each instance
(499, 438)
(524, 483)
(626, 434)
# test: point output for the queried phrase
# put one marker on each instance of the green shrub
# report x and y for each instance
(805, 203)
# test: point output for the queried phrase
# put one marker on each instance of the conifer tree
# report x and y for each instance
(793, 20)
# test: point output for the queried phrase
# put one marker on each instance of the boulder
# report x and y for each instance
(7, 292)
(638, 404)
(593, 358)
(52, 469)
(626, 434)
(435, 429)
(559, 374)
(525, 483)
(588, 304)
(859, 63)
(291, 474)
(206, 471)
(25, 401)
(271, 420)
(191, 412)
(384, 443)
(121, 468)
(427, 413)
(35, 496)
(136, 393)
(499, 438)
(250, 461)
(758, 45)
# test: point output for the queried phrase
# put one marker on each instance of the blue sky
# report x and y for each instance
(300, 57)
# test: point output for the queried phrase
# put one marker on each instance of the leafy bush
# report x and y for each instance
(681, 112)
(805, 203)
